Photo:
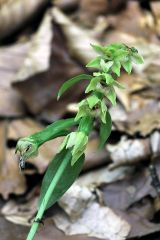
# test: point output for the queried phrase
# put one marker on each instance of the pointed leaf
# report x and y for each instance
(111, 95)
(95, 63)
(98, 48)
(83, 110)
(127, 66)
(71, 82)
(69, 175)
(103, 111)
(116, 68)
(136, 58)
(92, 85)
(79, 147)
(105, 130)
(92, 101)
(109, 79)
(105, 65)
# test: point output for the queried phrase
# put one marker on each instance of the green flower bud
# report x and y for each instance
(27, 148)
(77, 141)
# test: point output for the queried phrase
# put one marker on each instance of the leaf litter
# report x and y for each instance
(114, 192)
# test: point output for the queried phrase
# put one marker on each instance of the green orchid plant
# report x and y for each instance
(68, 162)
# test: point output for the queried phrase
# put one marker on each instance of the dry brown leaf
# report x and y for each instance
(10, 231)
(42, 75)
(11, 59)
(66, 4)
(148, 123)
(124, 193)
(129, 151)
(37, 59)
(14, 14)
(21, 212)
(93, 156)
(96, 221)
(22, 127)
(73, 33)
(133, 83)
(51, 232)
(141, 26)
(75, 200)
(103, 175)
(155, 144)
(139, 217)
(11, 180)
(142, 119)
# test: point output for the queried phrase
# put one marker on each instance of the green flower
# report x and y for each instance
(27, 148)
(77, 141)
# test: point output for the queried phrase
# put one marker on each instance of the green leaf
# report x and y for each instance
(92, 101)
(79, 146)
(98, 48)
(105, 65)
(92, 85)
(116, 67)
(121, 55)
(127, 66)
(95, 63)
(105, 130)
(83, 110)
(136, 58)
(111, 95)
(109, 79)
(103, 111)
(69, 175)
(71, 82)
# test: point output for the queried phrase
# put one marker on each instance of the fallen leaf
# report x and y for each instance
(93, 156)
(66, 4)
(9, 230)
(11, 180)
(106, 224)
(75, 200)
(14, 15)
(38, 56)
(51, 232)
(21, 212)
(11, 104)
(103, 175)
(143, 119)
(42, 74)
(139, 217)
(124, 193)
(155, 144)
(79, 49)
(128, 151)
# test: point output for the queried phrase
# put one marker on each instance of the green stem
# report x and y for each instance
(86, 124)
(48, 194)
(51, 130)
